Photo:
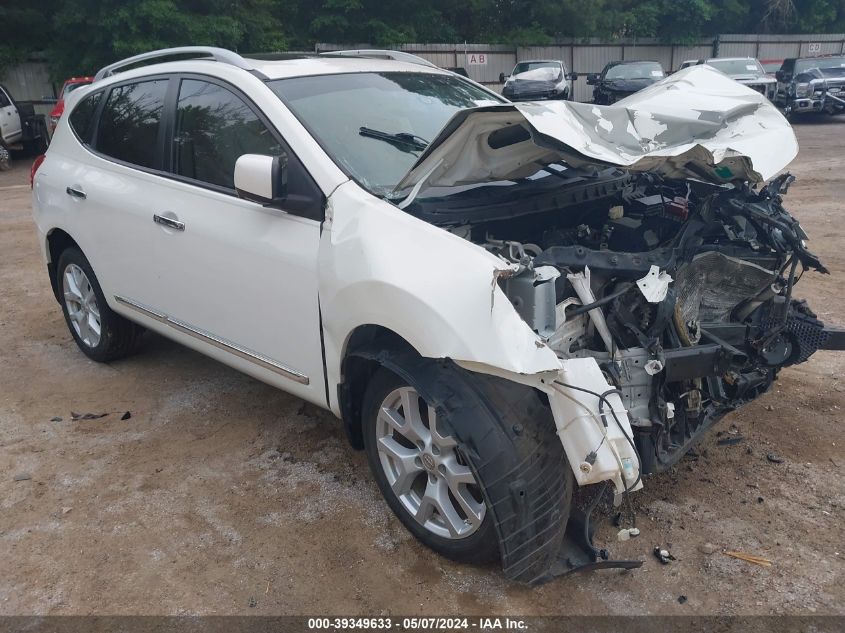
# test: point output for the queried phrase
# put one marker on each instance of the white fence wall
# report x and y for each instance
(590, 55)
(30, 81)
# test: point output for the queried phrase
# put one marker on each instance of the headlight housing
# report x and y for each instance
(803, 89)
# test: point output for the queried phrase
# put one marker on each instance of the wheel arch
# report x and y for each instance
(360, 359)
(57, 241)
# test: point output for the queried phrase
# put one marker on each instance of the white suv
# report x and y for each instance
(476, 288)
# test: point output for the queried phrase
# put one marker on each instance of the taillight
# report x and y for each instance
(35, 165)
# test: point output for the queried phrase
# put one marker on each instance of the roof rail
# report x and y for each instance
(199, 52)
(375, 53)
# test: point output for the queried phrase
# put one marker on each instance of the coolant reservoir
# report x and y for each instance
(582, 432)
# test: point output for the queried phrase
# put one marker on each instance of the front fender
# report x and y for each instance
(381, 266)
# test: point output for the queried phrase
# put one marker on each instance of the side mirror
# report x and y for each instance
(502, 78)
(572, 76)
(262, 179)
(592, 79)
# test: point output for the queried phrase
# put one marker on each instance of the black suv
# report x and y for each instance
(811, 84)
(622, 79)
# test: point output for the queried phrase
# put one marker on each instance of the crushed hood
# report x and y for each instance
(697, 123)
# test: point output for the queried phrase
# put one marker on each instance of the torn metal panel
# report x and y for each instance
(697, 123)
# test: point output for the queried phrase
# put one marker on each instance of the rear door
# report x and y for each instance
(113, 184)
(10, 120)
(239, 278)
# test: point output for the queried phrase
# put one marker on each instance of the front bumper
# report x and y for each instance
(816, 103)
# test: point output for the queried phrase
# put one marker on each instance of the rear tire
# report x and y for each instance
(5, 157)
(101, 334)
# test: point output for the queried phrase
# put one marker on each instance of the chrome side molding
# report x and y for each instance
(216, 341)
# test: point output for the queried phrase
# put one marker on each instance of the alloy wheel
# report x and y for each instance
(81, 304)
(424, 468)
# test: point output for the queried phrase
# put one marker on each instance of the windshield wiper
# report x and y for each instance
(401, 140)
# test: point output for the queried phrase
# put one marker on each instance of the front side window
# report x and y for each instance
(129, 125)
(214, 127)
(82, 118)
(376, 125)
(4, 100)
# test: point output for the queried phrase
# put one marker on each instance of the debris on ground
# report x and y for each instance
(86, 416)
(628, 533)
(663, 555)
(707, 548)
(751, 558)
(66, 509)
(23, 477)
(774, 458)
(730, 441)
(252, 602)
(682, 599)
(126, 415)
(56, 418)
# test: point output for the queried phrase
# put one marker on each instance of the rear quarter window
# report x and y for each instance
(81, 120)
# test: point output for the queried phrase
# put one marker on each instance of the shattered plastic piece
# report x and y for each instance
(652, 368)
(126, 416)
(56, 419)
(682, 599)
(663, 555)
(774, 458)
(654, 285)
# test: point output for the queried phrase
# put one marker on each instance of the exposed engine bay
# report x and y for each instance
(681, 290)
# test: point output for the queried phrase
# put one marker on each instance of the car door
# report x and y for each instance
(112, 183)
(10, 120)
(238, 277)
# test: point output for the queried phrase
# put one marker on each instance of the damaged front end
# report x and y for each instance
(642, 251)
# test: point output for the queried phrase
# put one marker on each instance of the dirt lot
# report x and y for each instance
(221, 495)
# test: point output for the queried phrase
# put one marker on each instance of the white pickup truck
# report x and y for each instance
(20, 129)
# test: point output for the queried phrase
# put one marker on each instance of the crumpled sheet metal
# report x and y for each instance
(697, 123)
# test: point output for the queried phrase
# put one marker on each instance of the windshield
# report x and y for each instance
(375, 125)
(737, 66)
(71, 87)
(540, 70)
(645, 70)
(803, 65)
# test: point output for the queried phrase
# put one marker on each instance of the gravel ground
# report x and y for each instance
(221, 495)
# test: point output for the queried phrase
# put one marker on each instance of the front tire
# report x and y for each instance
(101, 334)
(422, 473)
(504, 432)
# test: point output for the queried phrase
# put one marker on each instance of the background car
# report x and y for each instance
(747, 71)
(622, 79)
(811, 84)
(536, 80)
(69, 86)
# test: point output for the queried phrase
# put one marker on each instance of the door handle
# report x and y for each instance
(170, 223)
(76, 192)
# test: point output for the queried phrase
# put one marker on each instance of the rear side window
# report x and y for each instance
(214, 127)
(129, 125)
(82, 118)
